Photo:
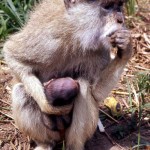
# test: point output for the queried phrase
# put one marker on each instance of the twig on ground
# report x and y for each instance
(105, 112)
(113, 142)
(14, 125)
(144, 45)
(146, 38)
(5, 108)
(146, 138)
(125, 103)
(135, 95)
(6, 115)
(4, 102)
(12, 145)
(139, 67)
(108, 115)
(5, 121)
(120, 92)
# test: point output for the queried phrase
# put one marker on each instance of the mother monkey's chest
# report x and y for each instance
(87, 67)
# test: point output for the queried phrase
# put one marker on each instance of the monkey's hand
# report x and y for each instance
(61, 110)
(122, 40)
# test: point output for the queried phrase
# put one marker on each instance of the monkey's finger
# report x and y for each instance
(62, 110)
(113, 43)
(113, 36)
(123, 34)
(122, 41)
(121, 46)
(112, 40)
(122, 31)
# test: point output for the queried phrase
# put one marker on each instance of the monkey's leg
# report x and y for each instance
(29, 119)
(85, 119)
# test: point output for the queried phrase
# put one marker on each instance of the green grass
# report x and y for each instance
(131, 7)
(13, 14)
(139, 107)
(141, 91)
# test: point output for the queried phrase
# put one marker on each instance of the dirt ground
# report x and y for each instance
(122, 132)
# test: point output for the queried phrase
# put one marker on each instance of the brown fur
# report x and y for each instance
(62, 40)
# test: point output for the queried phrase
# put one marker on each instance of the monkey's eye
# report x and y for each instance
(109, 6)
(120, 4)
(113, 6)
(92, 0)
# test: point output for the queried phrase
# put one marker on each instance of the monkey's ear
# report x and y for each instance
(69, 3)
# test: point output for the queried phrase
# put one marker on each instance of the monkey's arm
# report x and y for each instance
(112, 73)
(32, 84)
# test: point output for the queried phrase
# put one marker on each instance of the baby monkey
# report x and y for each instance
(60, 92)
(67, 38)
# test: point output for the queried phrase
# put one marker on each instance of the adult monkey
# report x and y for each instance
(67, 38)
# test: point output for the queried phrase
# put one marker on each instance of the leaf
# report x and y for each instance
(13, 15)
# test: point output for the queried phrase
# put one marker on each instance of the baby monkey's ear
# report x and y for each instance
(70, 3)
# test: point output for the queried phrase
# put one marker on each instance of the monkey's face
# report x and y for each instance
(111, 12)
(95, 21)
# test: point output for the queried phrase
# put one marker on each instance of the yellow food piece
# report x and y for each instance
(113, 105)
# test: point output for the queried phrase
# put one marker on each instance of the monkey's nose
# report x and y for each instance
(120, 18)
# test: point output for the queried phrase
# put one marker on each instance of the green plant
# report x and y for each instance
(143, 81)
(139, 90)
(13, 14)
(130, 6)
